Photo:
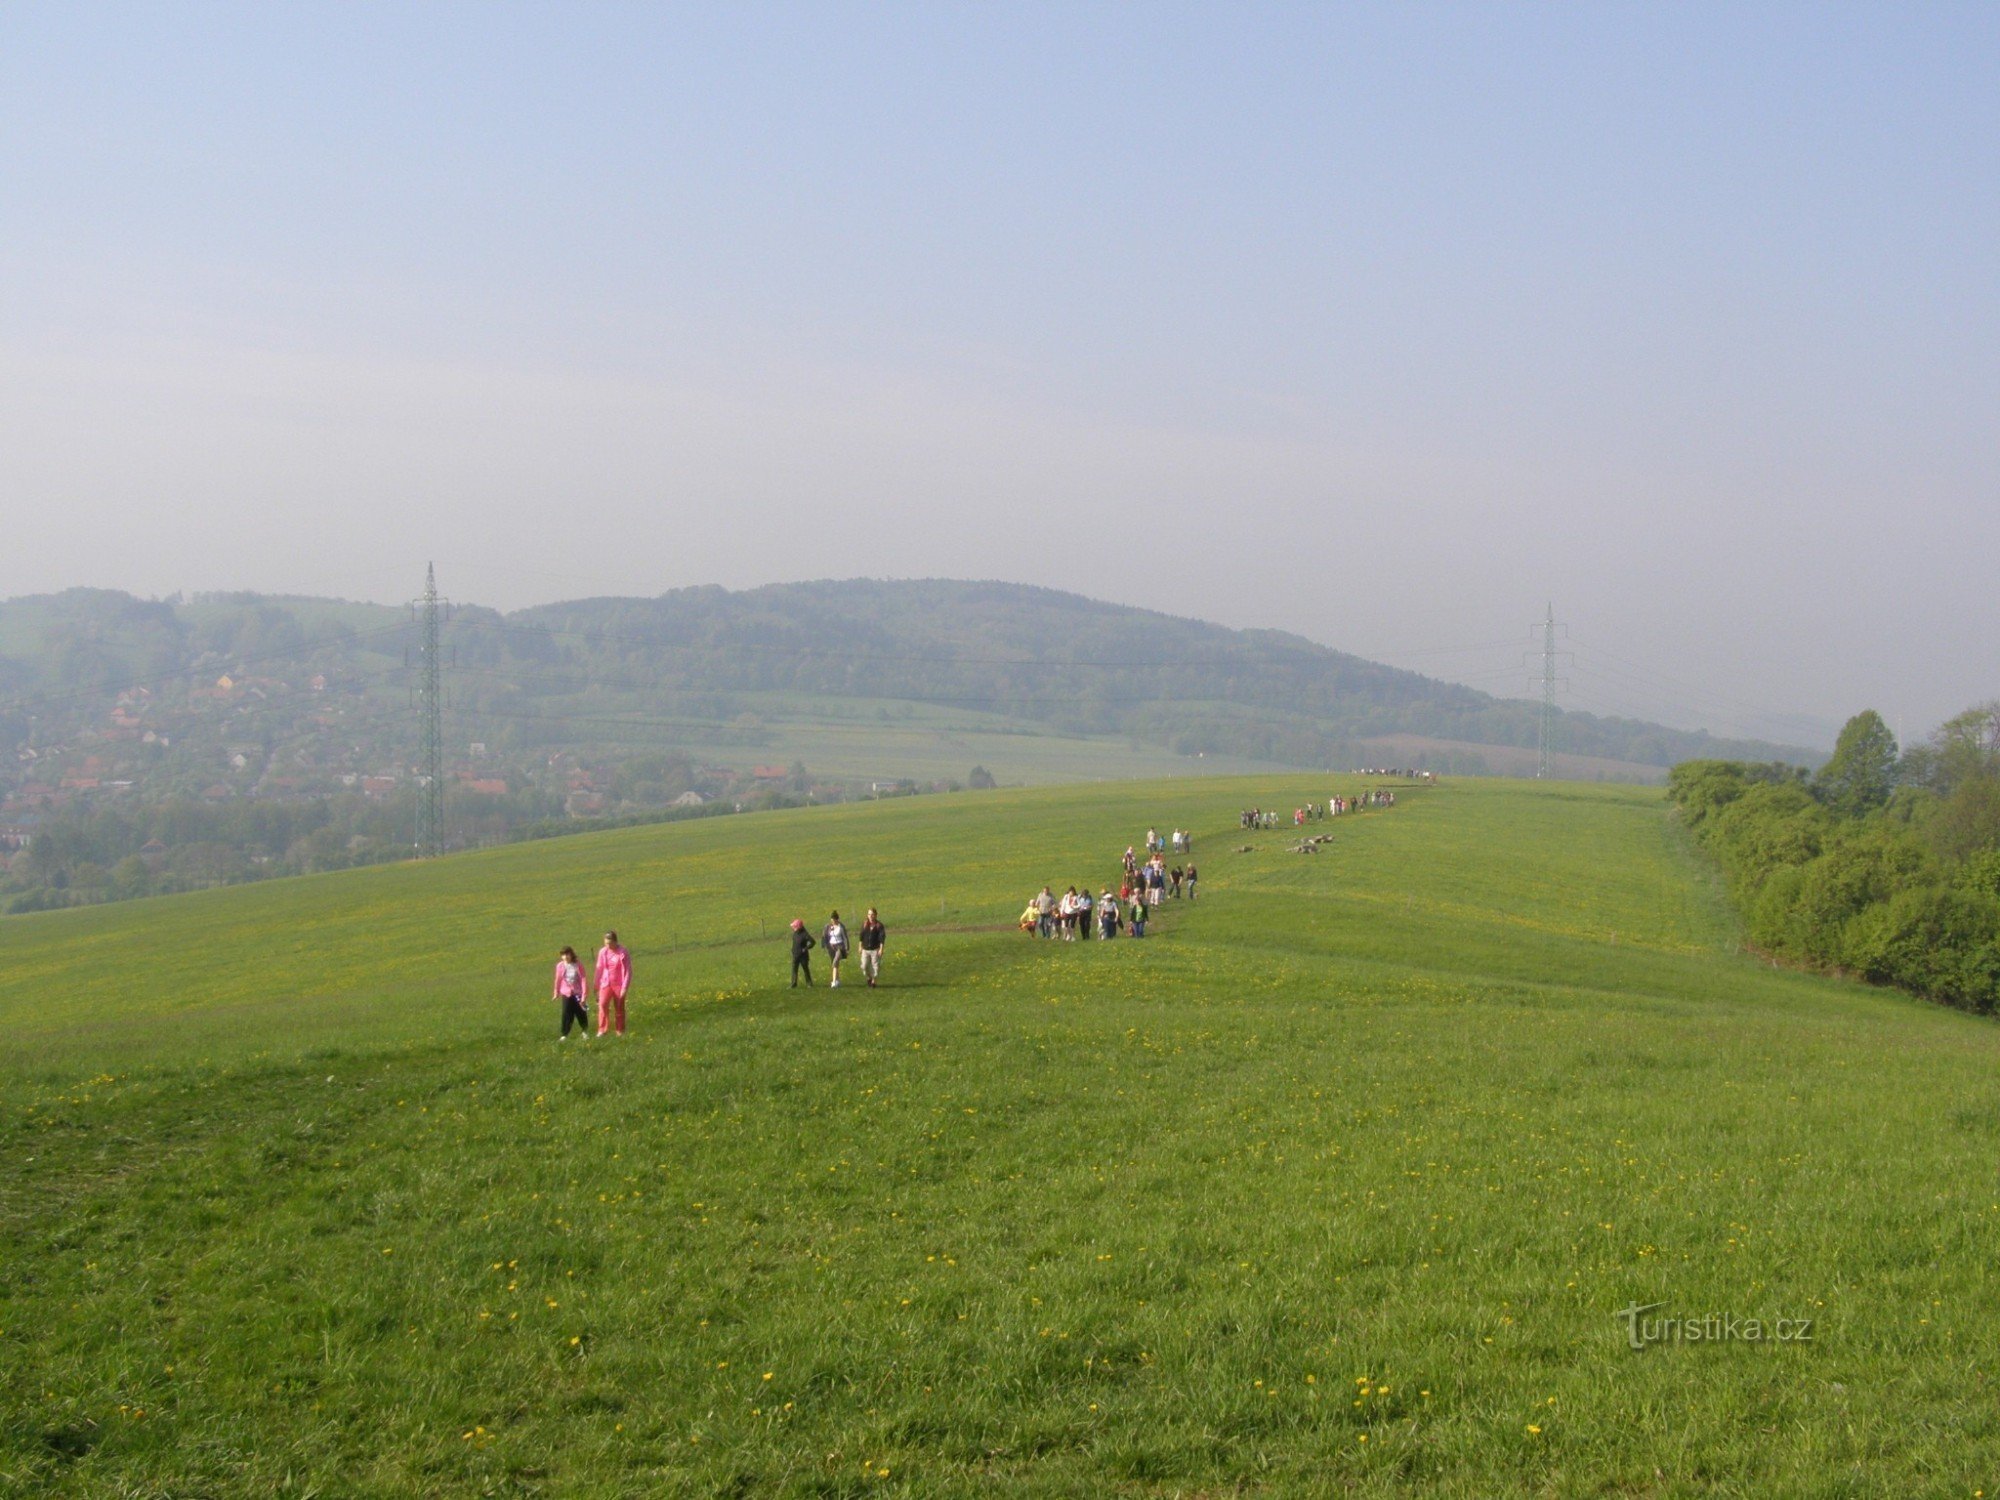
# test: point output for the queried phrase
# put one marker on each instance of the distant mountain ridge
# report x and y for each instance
(1085, 666)
(1031, 655)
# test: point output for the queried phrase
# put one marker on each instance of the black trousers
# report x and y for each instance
(572, 1010)
(802, 965)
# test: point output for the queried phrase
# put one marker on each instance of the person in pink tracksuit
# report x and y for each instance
(614, 977)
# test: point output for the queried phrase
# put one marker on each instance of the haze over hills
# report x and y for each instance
(731, 677)
(160, 745)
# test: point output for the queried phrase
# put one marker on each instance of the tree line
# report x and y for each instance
(1885, 863)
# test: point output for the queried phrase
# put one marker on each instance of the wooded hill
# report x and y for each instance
(576, 674)
(159, 746)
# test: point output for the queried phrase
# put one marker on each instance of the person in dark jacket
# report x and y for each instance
(873, 936)
(802, 947)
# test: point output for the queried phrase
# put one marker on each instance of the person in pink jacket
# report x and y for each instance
(571, 988)
(614, 977)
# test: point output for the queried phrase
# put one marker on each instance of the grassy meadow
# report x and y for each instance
(1334, 1184)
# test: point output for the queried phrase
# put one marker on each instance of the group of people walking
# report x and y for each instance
(1152, 882)
(611, 976)
(871, 938)
(1333, 807)
(1077, 915)
(573, 986)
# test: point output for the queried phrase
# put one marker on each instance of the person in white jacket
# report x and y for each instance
(834, 941)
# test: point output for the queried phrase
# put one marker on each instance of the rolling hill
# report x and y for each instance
(1349, 1177)
(872, 679)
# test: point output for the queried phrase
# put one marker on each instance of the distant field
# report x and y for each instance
(840, 739)
(864, 739)
(1335, 1184)
(1506, 760)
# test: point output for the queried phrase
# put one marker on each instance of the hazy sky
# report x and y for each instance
(1384, 324)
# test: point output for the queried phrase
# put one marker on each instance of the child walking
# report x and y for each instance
(571, 988)
(802, 947)
(834, 940)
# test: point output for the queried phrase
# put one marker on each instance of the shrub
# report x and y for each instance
(1941, 941)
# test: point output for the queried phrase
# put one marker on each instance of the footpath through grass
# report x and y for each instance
(1335, 1184)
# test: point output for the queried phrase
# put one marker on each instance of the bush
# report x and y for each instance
(1902, 887)
(1769, 826)
(1941, 941)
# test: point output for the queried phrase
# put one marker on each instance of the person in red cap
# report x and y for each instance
(802, 947)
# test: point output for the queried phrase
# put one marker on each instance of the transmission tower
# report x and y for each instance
(1550, 683)
(430, 709)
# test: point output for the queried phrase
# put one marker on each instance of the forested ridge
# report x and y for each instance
(159, 745)
(1036, 655)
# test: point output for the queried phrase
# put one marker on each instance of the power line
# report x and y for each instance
(430, 707)
(1548, 715)
(1704, 701)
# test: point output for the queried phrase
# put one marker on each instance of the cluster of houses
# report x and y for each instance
(239, 735)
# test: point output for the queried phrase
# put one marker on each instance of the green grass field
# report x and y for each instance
(1335, 1184)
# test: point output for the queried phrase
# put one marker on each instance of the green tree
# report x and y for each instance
(1862, 772)
(1963, 748)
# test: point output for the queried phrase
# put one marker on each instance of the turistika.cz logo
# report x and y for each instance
(1710, 1328)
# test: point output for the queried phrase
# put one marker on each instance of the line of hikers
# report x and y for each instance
(1076, 914)
(613, 971)
(1333, 807)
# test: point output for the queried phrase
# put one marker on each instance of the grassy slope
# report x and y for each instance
(885, 738)
(1334, 1183)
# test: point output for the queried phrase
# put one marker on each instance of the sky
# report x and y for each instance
(1391, 325)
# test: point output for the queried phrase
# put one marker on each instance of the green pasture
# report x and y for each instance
(863, 738)
(1334, 1184)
